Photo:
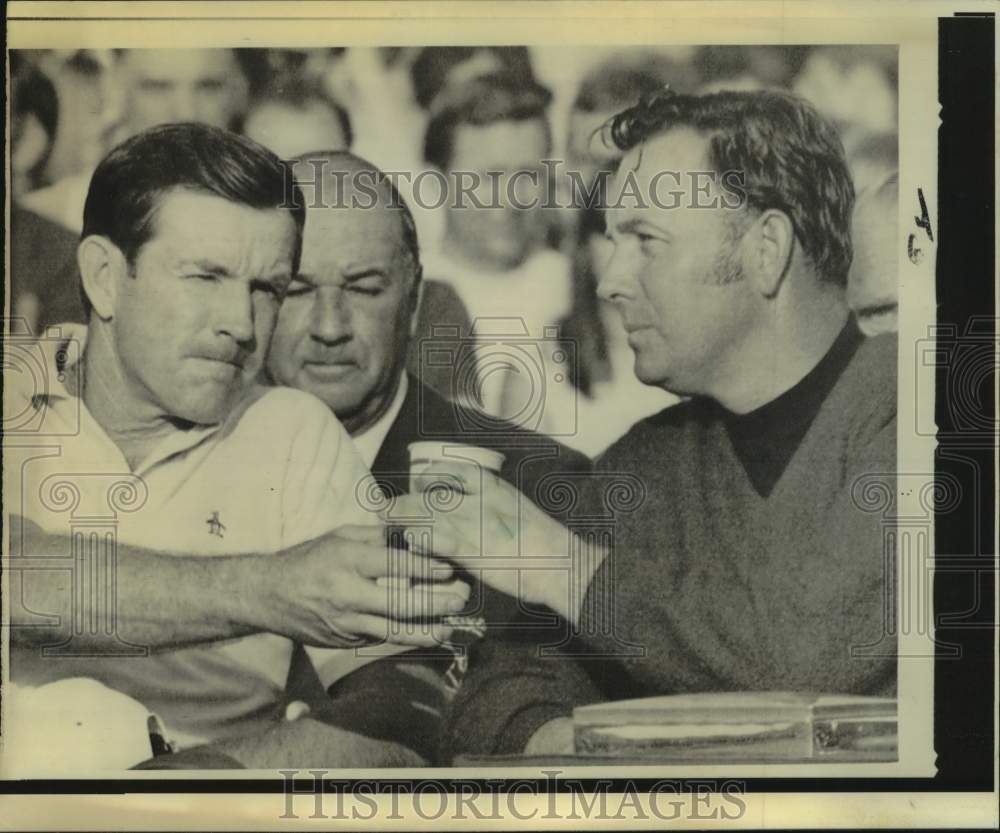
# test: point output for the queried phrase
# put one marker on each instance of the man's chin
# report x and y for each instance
(211, 407)
(505, 255)
(644, 373)
(337, 397)
(655, 377)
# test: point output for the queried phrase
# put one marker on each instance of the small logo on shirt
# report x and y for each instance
(215, 526)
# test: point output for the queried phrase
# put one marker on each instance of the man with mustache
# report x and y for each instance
(343, 334)
(235, 509)
(751, 557)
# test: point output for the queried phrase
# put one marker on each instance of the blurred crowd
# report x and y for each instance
(512, 278)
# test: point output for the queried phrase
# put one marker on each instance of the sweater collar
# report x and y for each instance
(766, 438)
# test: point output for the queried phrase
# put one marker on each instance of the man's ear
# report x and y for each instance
(102, 268)
(771, 243)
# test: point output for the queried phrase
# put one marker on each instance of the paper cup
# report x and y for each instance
(437, 464)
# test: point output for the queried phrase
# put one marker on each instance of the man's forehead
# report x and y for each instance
(667, 169)
(179, 63)
(332, 177)
(379, 221)
(200, 224)
(345, 236)
(681, 149)
(508, 141)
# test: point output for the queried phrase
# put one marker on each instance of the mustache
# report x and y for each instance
(235, 356)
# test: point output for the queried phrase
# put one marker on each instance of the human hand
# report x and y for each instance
(346, 588)
(487, 527)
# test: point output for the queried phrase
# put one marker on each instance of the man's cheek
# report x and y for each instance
(266, 315)
(292, 325)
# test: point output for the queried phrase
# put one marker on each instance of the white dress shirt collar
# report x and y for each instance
(369, 441)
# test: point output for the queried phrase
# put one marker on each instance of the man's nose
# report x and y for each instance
(237, 314)
(331, 323)
(183, 106)
(617, 278)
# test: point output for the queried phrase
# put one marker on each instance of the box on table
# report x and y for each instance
(740, 726)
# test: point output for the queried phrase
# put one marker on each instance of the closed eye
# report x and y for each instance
(369, 282)
(212, 85)
(370, 290)
(151, 85)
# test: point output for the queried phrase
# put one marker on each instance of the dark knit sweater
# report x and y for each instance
(711, 584)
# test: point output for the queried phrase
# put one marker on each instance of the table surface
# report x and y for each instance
(887, 756)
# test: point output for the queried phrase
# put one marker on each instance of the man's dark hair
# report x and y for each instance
(298, 94)
(435, 68)
(480, 102)
(790, 157)
(129, 184)
(33, 94)
(624, 78)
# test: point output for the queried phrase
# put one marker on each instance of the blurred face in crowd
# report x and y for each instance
(175, 85)
(193, 319)
(343, 328)
(676, 273)
(290, 131)
(506, 158)
(85, 117)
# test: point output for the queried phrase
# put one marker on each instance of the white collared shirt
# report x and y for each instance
(279, 470)
(369, 441)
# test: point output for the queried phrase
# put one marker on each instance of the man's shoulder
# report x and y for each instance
(876, 360)
(862, 408)
(299, 405)
(283, 416)
(441, 419)
(432, 416)
(867, 389)
(674, 424)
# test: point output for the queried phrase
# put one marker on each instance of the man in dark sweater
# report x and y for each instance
(344, 334)
(731, 542)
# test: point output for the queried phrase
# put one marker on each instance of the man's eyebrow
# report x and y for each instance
(634, 225)
(205, 267)
(365, 272)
